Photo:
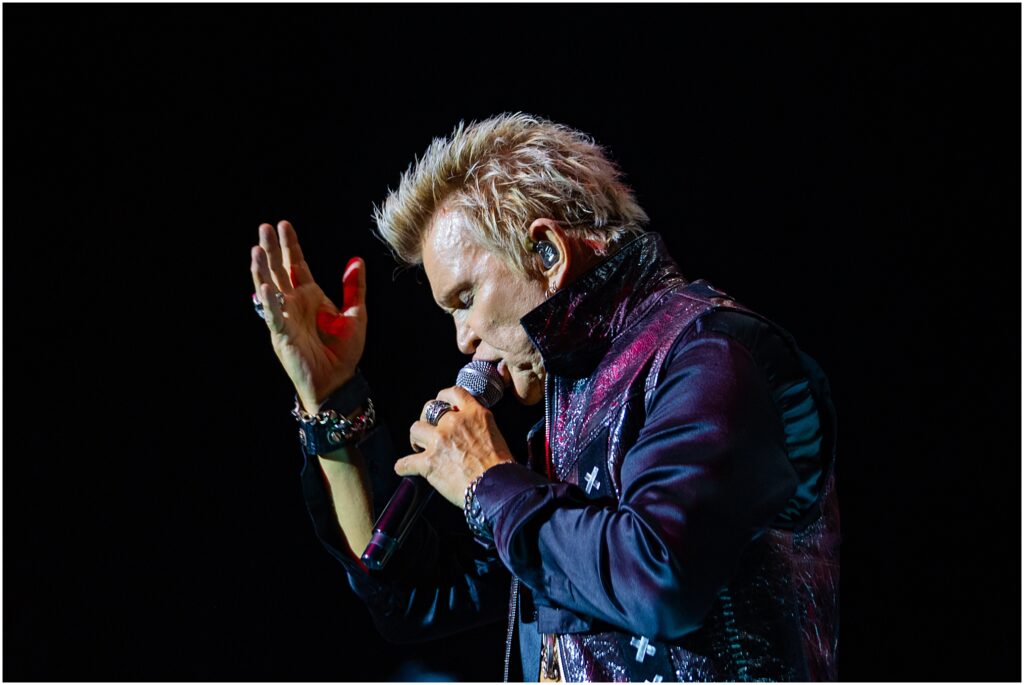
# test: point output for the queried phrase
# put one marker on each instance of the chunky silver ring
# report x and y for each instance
(435, 410)
(257, 304)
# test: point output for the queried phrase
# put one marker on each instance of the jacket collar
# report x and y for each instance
(574, 328)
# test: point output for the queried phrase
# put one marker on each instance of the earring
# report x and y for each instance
(553, 289)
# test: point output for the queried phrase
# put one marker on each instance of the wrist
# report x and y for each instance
(343, 398)
(328, 431)
(337, 422)
(312, 399)
(487, 464)
(473, 510)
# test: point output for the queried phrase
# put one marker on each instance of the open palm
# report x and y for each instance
(318, 345)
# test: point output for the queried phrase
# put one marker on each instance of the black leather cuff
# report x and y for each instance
(329, 429)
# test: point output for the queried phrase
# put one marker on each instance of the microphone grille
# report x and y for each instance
(482, 380)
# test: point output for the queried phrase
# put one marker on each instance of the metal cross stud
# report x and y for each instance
(644, 648)
(592, 481)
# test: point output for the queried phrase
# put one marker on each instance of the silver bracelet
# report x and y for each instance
(328, 430)
(475, 515)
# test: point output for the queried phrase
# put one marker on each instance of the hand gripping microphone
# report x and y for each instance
(483, 381)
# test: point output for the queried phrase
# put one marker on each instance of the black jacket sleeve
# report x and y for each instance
(434, 585)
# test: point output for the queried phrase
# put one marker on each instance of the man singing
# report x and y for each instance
(674, 515)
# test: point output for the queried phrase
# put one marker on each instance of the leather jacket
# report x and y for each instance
(677, 518)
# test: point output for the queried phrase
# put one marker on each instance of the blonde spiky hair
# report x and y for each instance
(505, 172)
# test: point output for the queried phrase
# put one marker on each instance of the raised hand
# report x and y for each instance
(318, 345)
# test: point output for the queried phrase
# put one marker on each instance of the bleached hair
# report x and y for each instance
(504, 173)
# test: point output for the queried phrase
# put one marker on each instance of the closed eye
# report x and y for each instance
(456, 299)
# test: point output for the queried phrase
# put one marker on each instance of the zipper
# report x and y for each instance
(548, 663)
(513, 604)
(548, 457)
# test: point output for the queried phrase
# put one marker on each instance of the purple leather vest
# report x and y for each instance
(777, 618)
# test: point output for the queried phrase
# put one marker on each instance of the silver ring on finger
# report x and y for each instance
(435, 410)
(257, 304)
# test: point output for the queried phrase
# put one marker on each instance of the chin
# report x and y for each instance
(528, 390)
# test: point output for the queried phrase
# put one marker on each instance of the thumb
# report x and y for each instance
(354, 286)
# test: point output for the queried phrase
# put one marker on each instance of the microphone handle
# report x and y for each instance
(411, 495)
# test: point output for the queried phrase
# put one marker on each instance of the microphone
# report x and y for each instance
(482, 380)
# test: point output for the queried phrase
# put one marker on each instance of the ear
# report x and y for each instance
(560, 263)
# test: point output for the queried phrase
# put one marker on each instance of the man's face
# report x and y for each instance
(486, 299)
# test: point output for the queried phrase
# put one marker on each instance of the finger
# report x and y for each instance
(257, 278)
(261, 270)
(413, 465)
(270, 245)
(457, 396)
(272, 312)
(422, 435)
(423, 412)
(354, 286)
(294, 261)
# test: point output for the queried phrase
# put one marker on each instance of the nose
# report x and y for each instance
(465, 337)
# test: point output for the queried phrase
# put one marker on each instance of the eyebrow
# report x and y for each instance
(449, 295)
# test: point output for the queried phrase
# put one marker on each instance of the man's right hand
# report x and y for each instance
(318, 345)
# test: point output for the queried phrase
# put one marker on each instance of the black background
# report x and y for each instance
(852, 172)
